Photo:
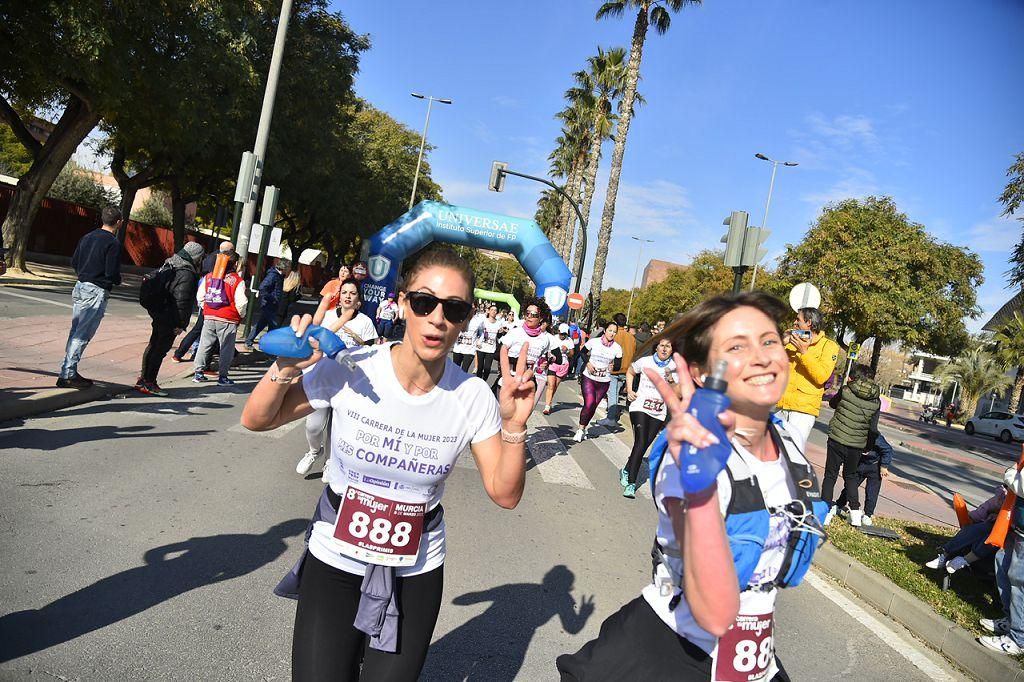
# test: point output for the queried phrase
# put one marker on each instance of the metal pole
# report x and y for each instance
(737, 279)
(234, 222)
(263, 132)
(495, 277)
(764, 221)
(636, 270)
(419, 159)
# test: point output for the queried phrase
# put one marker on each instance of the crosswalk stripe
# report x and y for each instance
(553, 462)
(279, 432)
(172, 410)
(616, 453)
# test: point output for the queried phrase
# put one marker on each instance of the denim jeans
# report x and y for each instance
(90, 302)
(971, 539)
(614, 386)
(1010, 580)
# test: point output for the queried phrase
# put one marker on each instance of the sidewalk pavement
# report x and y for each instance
(32, 350)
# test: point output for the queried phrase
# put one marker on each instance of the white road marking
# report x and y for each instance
(900, 642)
(616, 453)
(553, 462)
(36, 298)
(279, 432)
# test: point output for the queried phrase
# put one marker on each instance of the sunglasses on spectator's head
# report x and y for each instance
(455, 309)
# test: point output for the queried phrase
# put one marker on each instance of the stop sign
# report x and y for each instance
(575, 301)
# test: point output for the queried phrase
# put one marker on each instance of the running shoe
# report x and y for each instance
(1001, 643)
(325, 475)
(547, 409)
(579, 436)
(956, 564)
(623, 478)
(175, 358)
(856, 517)
(938, 562)
(224, 381)
(75, 381)
(629, 491)
(830, 515)
(306, 463)
(997, 626)
(866, 520)
(152, 389)
(199, 378)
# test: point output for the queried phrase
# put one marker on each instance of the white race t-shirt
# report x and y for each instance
(388, 310)
(565, 345)
(515, 339)
(487, 335)
(777, 489)
(601, 359)
(648, 400)
(360, 324)
(393, 444)
(465, 343)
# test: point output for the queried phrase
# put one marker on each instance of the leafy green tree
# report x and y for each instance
(154, 210)
(883, 276)
(649, 13)
(15, 160)
(1010, 352)
(977, 373)
(1011, 199)
(76, 185)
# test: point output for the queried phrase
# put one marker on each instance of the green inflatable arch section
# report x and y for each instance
(499, 297)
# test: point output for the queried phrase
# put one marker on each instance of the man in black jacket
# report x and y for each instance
(97, 261)
(171, 316)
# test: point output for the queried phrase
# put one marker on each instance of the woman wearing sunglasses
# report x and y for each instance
(531, 335)
(373, 569)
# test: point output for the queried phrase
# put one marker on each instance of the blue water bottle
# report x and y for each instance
(700, 466)
(282, 342)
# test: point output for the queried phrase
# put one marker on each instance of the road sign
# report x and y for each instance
(575, 301)
(804, 295)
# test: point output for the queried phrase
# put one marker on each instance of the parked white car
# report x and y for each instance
(1002, 425)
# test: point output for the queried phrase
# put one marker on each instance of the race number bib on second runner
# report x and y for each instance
(653, 405)
(377, 530)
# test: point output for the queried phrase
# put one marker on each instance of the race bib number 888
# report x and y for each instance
(378, 530)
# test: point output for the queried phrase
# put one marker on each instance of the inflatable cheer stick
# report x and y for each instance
(220, 267)
(997, 538)
(960, 507)
(282, 342)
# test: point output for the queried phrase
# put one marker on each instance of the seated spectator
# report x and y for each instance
(968, 545)
(1008, 632)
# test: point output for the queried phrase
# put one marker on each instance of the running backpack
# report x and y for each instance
(155, 286)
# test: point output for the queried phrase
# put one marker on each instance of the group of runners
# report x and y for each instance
(369, 581)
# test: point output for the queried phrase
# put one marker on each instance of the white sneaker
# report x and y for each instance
(856, 517)
(1001, 643)
(938, 562)
(325, 475)
(956, 564)
(306, 463)
(866, 520)
(830, 515)
(579, 436)
(998, 626)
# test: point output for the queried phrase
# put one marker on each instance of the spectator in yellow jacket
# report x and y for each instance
(812, 359)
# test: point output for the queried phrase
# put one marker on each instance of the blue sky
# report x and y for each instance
(917, 100)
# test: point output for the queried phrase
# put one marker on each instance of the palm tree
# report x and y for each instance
(568, 160)
(977, 372)
(596, 89)
(1010, 351)
(656, 13)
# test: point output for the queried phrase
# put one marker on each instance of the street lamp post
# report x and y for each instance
(636, 270)
(423, 140)
(764, 221)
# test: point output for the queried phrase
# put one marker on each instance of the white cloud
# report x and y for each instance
(1000, 234)
(855, 183)
(844, 130)
(483, 132)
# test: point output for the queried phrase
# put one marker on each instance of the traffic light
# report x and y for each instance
(753, 252)
(497, 182)
(733, 239)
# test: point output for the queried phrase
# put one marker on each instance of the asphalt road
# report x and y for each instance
(141, 539)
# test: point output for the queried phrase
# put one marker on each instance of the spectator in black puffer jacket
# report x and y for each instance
(171, 318)
(857, 407)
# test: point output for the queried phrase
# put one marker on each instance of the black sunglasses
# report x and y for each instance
(455, 310)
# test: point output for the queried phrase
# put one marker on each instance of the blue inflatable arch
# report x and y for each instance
(430, 221)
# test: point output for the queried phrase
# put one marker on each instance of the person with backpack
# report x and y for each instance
(222, 300)
(191, 340)
(97, 262)
(168, 295)
(270, 291)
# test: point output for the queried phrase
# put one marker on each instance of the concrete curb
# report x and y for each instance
(955, 643)
(51, 400)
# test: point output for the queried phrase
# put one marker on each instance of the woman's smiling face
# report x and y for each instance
(758, 366)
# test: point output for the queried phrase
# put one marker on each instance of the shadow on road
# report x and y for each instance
(492, 645)
(169, 571)
(52, 439)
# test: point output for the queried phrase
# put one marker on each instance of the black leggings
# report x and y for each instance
(483, 364)
(645, 430)
(160, 341)
(463, 360)
(325, 644)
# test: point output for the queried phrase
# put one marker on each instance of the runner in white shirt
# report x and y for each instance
(558, 370)
(355, 329)
(646, 408)
(401, 416)
(487, 341)
(603, 356)
(723, 552)
(532, 333)
(464, 351)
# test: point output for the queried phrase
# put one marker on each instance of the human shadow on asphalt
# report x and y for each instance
(169, 571)
(54, 439)
(492, 646)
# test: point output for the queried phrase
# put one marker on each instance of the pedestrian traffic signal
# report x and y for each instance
(733, 239)
(270, 196)
(497, 182)
(753, 252)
